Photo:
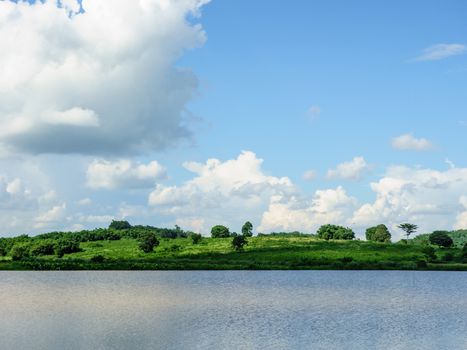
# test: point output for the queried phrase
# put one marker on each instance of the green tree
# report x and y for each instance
(196, 238)
(328, 232)
(119, 225)
(441, 238)
(429, 253)
(408, 228)
(220, 231)
(378, 233)
(238, 242)
(147, 242)
(247, 229)
(47, 247)
(20, 251)
(66, 246)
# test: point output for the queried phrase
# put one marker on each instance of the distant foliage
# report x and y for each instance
(378, 233)
(238, 242)
(220, 231)
(147, 242)
(328, 232)
(97, 259)
(441, 238)
(196, 238)
(119, 225)
(285, 234)
(66, 246)
(45, 247)
(247, 229)
(429, 253)
(20, 251)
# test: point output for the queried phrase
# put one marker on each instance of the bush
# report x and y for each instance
(20, 251)
(441, 238)
(238, 242)
(119, 225)
(448, 257)
(97, 259)
(220, 231)
(328, 232)
(429, 253)
(378, 233)
(43, 248)
(66, 246)
(196, 238)
(421, 264)
(147, 242)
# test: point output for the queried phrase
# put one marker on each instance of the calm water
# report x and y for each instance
(233, 310)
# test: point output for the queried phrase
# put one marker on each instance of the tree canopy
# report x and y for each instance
(441, 238)
(335, 232)
(379, 233)
(247, 229)
(220, 231)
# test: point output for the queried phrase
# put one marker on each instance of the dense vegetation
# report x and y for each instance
(123, 246)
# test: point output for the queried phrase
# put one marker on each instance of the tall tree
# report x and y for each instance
(408, 228)
(247, 229)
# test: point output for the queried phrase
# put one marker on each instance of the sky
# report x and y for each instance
(193, 112)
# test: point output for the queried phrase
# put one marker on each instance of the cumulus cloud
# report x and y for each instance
(97, 81)
(441, 51)
(330, 206)
(429, 198)
(409, 142)
(221, 192)
(351, 170)
(123, 174)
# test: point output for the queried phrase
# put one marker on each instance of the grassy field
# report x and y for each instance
(261, 253)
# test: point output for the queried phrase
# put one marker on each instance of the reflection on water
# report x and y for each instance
(233, 310)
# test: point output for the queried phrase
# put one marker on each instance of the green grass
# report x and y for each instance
(261, 253)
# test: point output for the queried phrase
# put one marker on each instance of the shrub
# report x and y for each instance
(97, 259)
(220, 231)
(238, 242)
(196, 238)
(448, 257)
(335, 232)
(441, 238)
(43, 248)
(421, 264)
(66, 246)
(20, 251)
(147, 242)
(346, 259)
(378, 233)
(429, 253)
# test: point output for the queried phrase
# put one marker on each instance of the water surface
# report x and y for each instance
(233, 310)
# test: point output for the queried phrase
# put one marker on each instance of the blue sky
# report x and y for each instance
(368, 97)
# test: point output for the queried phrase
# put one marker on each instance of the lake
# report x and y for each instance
(233, 310)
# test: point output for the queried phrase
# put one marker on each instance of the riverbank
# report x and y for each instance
(261, 253)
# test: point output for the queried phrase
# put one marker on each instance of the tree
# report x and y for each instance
(43, 248)
(247, 229)
(119, 225)
(196, 238)
(238, 242)
(147, 242)
(328, 232)
(20, 251)
(66, 246)
(429, 253)
(441, 238)
(378, 233)
(408, 228)
(220, 231)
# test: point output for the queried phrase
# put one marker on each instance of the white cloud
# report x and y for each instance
(441, 51)
(84, 201)
(409, 142)
(331, 206)
(310, 175)
(426, 197)
(123, 174)
(351, 170)
(221, 192)
(54, 214)
(98, 82)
